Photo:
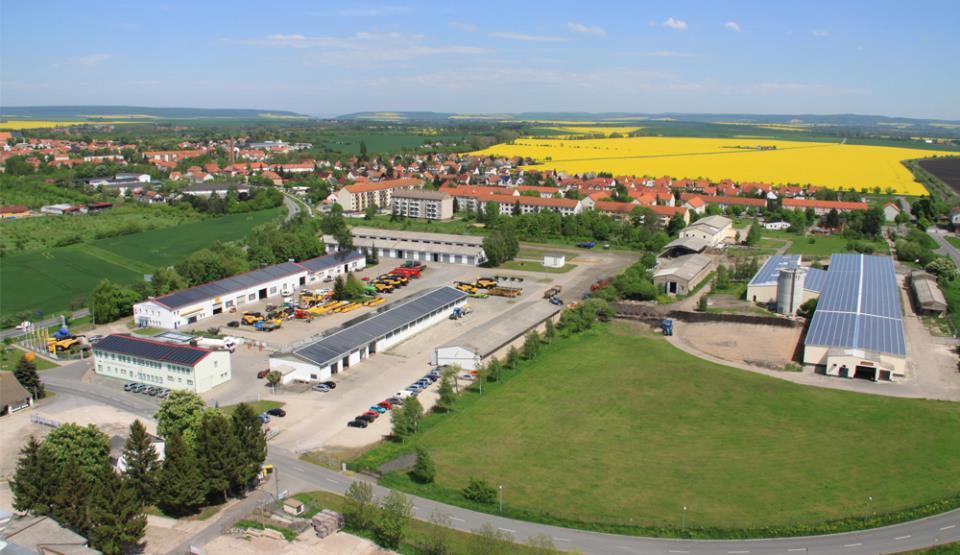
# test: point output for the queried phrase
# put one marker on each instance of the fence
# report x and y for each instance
(654, 312)
(43, 421)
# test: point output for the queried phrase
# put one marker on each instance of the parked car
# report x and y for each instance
(357, 423)
(152, 390)
(403, 394)
(130, 386)
(234, 323)
(385, 404)
(263, 374)
(94, 339)
(263, 417)
(425, 382)
(163, 394)
(370, 415)
(331, 384)
(277, 412)
(467, 377)
(414, 388)
(378, 408)
(322, 388)
(395, 401)
(432, 377)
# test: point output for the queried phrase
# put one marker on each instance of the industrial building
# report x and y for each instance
(783, 274)
(161, 364)
(714, 230)
(351, 344)
(188, 306)
(927, 294)
(681, 275)
(857, 329)
(411, 245)
(429, 205)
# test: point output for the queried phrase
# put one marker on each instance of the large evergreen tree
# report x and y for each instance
(35, 480)
(181, 488)
(180, 413)
(117, 515)
(250, 440)
(71, 504)
(218, 454)
(86, 446)
(26, 374)
(142, 462)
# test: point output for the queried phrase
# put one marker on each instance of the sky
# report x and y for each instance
(328, 58)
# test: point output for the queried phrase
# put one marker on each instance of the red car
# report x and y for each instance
(385, 405)
(372, 414)
(263, 374)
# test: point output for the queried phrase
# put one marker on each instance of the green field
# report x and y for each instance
(257, 406)
(51, 280)
(955, 241)
(12, 358)
(616, 428)
(822, 245)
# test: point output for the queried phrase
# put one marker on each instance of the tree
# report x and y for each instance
(873, 220)
(396, 510)
(363, 150)
(180, 413)
(142, 462)
(676, 224)
(753, 236)
(513, 358)
(117, 515)
(181, 485)
(339, 289)
(250, 440)
(723, 277)
(87, 447)
(370, 212)
(531, 345)
(436, 539)
(218, 454)
(406, 420)
(480, 491)
(494, 370)
(423, 470)
(274, 377)
(353, 287)
(110, 301)
(71, 503)
(807, 309)
(166, 280)
(446, 394)
(549, 330)
(489, 540)
(943, 268)
(34, 481)
(359, 506)
(26, 374)
(833, 218)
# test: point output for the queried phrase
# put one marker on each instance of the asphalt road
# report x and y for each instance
(945, 247)
(294, 475)
(46, 323)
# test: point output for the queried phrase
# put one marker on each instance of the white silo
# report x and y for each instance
(790, 290)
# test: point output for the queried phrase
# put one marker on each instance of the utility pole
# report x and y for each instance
(501, 498)
(683, 519)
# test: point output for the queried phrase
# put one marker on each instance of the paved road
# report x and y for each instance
(294, 206)
(945, 247)
(14, 332)
(295, 475)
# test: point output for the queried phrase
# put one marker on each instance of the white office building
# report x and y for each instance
(161, 364)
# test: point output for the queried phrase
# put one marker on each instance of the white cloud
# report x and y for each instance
(820, 33)
(676, 24)
(575, 27)
(468, 27)
(374, 11)
(732, 25)
(525, 37)
(90, 60)
(660, 54)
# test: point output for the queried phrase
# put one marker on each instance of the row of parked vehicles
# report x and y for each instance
(146, 389)
(397, 400)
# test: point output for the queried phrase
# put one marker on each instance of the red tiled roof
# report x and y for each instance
(383, 185)
(825, 204)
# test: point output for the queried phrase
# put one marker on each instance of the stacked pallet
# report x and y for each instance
(327, 522)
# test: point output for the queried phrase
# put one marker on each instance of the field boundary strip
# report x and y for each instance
(122, 261)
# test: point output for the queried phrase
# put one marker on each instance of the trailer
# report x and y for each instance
(552, 292)
(505, 291)
(406, 272)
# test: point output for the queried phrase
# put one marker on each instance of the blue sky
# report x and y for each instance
(877, 57)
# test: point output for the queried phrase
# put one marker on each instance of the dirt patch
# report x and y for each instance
(763, 346)
(306, 543)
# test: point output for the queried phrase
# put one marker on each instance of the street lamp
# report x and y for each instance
(869, 507)
(683, 519)
(501, 498)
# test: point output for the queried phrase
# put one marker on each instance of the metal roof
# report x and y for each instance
(152, 350)
(340, 343)
(692, 244)
(329, 261)
(770, 270)
(684, 267)
(859, 307)
(230, 285)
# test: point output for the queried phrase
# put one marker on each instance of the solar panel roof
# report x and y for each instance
(815, 279)
(330, 260)
(771, 268)
(859, 307)
(324, 351)
(153, 350)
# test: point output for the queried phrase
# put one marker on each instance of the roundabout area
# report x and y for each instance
(616, 430)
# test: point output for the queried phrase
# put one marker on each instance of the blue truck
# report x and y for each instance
(587, 244)
(667, 326)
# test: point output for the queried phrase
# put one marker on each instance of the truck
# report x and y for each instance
(251, 318)
(406, 272)
(552, 292)
(414, 264)
(486, 283)
(268, 325)
(587, 244)
(667, 326)
(225, 344)
(460, 312)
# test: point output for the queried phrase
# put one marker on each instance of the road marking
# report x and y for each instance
(508, 530)
(737, 552)
(561, 539)
(902, 537)
(457, 519)
(853, 545)
(804, 549)
(949, 527)
(677, 551)
(331, 480)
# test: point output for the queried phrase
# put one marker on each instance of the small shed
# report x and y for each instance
(929, 297)
(292, 506)
(465, 356)
(554, 261)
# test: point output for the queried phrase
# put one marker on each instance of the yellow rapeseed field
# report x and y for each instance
(825, 164)
(17, 125)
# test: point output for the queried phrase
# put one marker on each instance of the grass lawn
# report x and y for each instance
(955, 241)
(617, 427)
(258, 406)
(12, 357)
(821, 245)
(534, 266)
(49, 280)
(538, 254)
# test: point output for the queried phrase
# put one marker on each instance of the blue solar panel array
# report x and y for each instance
(771, 268)
(330, 260)
(328, 349)
(151, 350)
(859, 307)
(815, 280)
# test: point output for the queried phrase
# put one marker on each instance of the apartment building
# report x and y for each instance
(429, 205)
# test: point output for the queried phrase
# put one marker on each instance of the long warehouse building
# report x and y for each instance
(413, 245)
(188, 306)
(857, 328)
(351, 344)
(764, 285)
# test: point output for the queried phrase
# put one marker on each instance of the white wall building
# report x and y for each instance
(411, 245)
(429, 205)
(161, 364)
(715, 230)
(189, 306)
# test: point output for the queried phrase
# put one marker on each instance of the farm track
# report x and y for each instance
(107, 256)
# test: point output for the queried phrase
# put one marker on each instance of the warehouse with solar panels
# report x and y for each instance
(857, 329)
(188, 306)
(161, 363)
(782, 278)
(363, 337)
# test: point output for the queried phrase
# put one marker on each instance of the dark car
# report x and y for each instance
(330, 384)
(395, 401)
(130, 386)
(234, 323)
(367, 417)
(263, 374)
(277, 412)
(357, 423)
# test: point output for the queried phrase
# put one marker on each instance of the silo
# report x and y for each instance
(790, 290)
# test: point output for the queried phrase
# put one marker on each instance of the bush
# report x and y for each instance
(424, 470)
(480, 491)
